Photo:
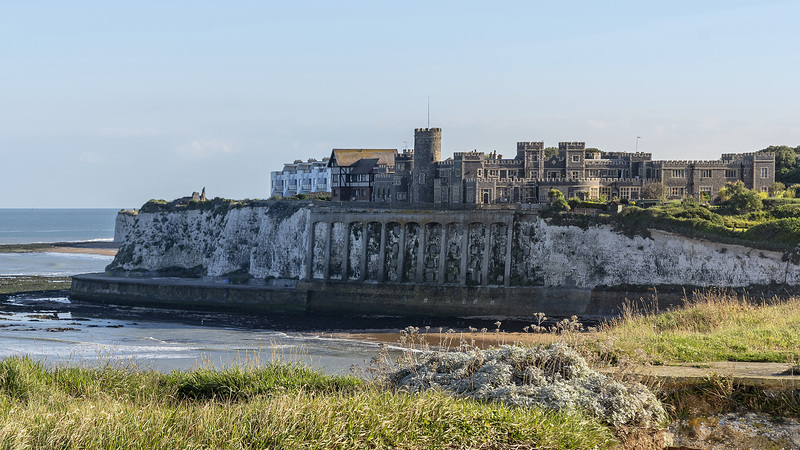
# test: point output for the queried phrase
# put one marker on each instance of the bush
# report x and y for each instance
(786, 231)
(555, 378)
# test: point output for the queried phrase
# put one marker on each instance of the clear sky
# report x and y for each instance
(109, 104)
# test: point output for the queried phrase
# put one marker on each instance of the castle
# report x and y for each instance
(419, 176)
(476, 178)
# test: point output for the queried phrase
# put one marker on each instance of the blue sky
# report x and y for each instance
(109, 104)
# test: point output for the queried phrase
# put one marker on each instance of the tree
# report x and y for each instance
(549, 152)
(776, 189)
(786, 167)
(557, 200)
(785, 156)
(740, 199)
(654, 191)
(689, 202)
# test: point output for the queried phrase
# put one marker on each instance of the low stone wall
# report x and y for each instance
(332, 298)
(386, 299)
(443, 301)
(192, 294)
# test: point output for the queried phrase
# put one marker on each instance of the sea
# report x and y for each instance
(58, 330)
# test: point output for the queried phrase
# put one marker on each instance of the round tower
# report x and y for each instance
(427, 152)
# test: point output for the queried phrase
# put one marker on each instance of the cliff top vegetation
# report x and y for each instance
(737, 216)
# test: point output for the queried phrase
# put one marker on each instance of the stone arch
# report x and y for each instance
(454, 252)
(318, 249)
(337, 268)
(476, 253)
(498, 244)
(355, 247)
(372, 265)
(412, 232)
(392, 252)
(431, 259)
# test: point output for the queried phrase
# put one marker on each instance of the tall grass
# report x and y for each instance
(713, 326)
(273, 406)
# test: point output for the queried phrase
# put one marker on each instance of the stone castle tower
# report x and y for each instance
(427, 152)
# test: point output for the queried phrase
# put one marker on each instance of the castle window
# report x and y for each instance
(676, 192)
(730, 173)
(480, 173)
(576, 158)
(705, 173)
(493, 172)
(575, 174)
(679, 173)
(503, 174)
(764, 172)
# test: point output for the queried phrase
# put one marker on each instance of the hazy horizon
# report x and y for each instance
(110, 105)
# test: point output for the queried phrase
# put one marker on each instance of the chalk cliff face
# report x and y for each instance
(262, 241)
(294, 240)
(123, 225)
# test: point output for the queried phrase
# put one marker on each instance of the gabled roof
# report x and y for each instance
(349, 156)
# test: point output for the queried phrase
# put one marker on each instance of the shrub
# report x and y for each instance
(556, 378)
(786, 231)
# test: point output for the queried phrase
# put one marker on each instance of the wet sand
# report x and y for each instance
(85, 250)
(92, 248)
(436, 339)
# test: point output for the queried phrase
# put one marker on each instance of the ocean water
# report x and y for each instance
(30, 226)
(57, 330)
(25, 226)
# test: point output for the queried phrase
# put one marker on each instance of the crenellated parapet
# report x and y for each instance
(564, 146)
(688, 163)
(530, 146)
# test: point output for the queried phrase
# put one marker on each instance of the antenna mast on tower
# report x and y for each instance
(429, 111)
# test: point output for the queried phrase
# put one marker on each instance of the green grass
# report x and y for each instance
(716, 327)
(271, 406)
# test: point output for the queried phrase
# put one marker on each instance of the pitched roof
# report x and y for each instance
(364, 166)
(349, 156)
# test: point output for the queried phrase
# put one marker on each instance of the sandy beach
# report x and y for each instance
(85, 250)
(92, 248)
(445, 339)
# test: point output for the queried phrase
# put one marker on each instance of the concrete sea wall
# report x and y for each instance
(417, 262)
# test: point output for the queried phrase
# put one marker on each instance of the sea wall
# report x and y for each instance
(508, 248)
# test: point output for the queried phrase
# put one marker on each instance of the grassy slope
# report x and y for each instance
(715, 327)
(276, 406)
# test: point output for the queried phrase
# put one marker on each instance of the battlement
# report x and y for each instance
(686, 163)
(503, 162)
(427, 130)
(584, 181)
(530, 145)
(605, 162)
(471, 155)
(564, 146)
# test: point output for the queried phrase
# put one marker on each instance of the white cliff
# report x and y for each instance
(274, 240)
